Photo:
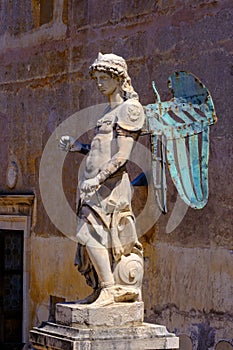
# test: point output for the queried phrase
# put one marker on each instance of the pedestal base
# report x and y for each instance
(118, 314)
(89, 328)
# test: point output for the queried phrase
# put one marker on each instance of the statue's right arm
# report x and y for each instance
(80, 147)
(68, 144)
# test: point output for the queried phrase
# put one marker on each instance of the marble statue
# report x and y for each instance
(109, 254)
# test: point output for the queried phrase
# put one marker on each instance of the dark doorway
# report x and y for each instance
(11, 289)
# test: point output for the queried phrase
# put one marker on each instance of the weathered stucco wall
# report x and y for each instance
(46, 49)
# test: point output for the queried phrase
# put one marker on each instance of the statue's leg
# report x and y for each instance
(90, 234)
(110, 292)
(85, 267)
(99, 257)
(93, 261)
(98, 254)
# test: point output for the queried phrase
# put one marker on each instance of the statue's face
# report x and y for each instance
(106, 84)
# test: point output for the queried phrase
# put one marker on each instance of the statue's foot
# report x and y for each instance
(90, 298)
(105, 298)
(125, 293)
(116, 293)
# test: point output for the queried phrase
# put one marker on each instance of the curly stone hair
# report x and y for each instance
(117, 68)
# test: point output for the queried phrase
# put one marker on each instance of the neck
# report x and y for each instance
(115, 99)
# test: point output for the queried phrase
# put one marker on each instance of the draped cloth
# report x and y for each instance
(105, 215)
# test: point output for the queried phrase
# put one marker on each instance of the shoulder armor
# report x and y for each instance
(131, 115)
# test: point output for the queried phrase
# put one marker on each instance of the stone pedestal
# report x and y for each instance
(116, 315)
(115, 327)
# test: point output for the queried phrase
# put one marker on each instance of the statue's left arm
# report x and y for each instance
(129, 124)
(125, 145)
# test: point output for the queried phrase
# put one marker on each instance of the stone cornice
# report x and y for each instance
(19, 199)
(18, 204)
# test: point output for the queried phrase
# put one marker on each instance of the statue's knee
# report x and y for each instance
(83, 233)
(127, 233)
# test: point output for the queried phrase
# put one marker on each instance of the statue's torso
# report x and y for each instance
(129, 116)
(103, 145)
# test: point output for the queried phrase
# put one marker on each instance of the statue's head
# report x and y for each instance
(116, 67)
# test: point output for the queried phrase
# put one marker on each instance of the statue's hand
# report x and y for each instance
(90, 185)
(66, 142)
(117, 250)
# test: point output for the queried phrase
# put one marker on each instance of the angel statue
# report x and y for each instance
(109, 254)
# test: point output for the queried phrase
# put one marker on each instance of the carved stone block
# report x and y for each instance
(144, 337)
(119, 314)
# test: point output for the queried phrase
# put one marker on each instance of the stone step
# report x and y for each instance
(144, 337)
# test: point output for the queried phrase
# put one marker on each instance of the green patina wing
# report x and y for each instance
(180, 129)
